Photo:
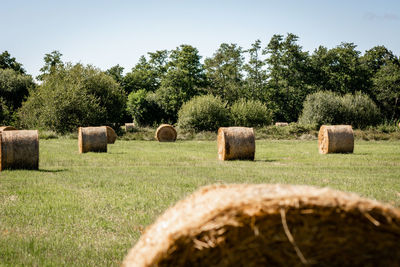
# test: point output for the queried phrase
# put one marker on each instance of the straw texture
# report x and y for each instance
(7, 128)
(92, 139)
(19, 149)
(281, 124)
(129, 127)
(335, 139)
(165, 133)
(277, 225)
(111, 135)
(236, 143)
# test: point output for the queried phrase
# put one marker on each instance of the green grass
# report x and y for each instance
(89, 209)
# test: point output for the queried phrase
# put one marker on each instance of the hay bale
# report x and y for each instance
(281, 124)
(335, 139)
(7, 128)
(166, 133)
(111, 135)
(92, 139)
(19, 149)
(129, 127)
(271, 225)
(236, 143)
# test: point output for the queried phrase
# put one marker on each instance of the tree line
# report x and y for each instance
(280, 75)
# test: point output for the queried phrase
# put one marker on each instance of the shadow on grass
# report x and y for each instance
(265, 160)
(52, 171)
(117, 153)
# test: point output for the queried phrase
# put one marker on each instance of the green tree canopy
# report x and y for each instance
(224, 71)
(52, 62)
(8, 62)
(386, 88)
(73, 96)
(289, 77)
(184, 79)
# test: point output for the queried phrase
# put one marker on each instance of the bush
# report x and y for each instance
(143, 107)
(322, 108)
(73, 96)
(250, 113)
(360, 111)
(203, 113)
(357, 110)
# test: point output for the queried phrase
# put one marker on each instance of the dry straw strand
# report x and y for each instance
(92, 139)
(335, 139)
(236, 143)
(166, 133)
(19, 149)
(243, 225)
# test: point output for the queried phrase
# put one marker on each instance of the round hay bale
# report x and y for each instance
(129, 127)
(281, 124)
(166, 133)
(271, 225)
(335, 139)
(236, 143)
(92, 139)
(7, 128)
(19, 149)
(111, 135)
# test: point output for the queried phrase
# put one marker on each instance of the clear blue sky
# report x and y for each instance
(106, 33)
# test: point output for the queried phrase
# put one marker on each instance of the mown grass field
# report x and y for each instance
(89, 209)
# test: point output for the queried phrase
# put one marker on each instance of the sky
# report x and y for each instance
(107, 33)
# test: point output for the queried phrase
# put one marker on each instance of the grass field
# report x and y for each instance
(89, 209)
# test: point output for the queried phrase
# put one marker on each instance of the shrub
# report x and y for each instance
(250, 113)
(203, 113)
(357, 110)
(144, 108)
(73, 96)
(360, 111)
(322, 108)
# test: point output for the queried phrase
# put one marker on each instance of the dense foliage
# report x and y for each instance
(327, 107)
(72, 96)
(203, 113)
(250, 113)
(144, 109)
(278, 74)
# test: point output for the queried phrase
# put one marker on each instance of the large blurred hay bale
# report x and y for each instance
(7, 128)
(281, 124)
(19, 149)
(276, 225)
(92, 139)
(335, 139)
(165, 133)
(111, 135)
(236, 143)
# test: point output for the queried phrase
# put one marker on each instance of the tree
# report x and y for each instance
(52, 62)
(184, 79)
(224, 71)
(386, 87)
(256, 76)
(147, 74)
(116, 72)
(289, 77)
(339, 69)
(73, 96)
(8, 62)
(14, 88)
